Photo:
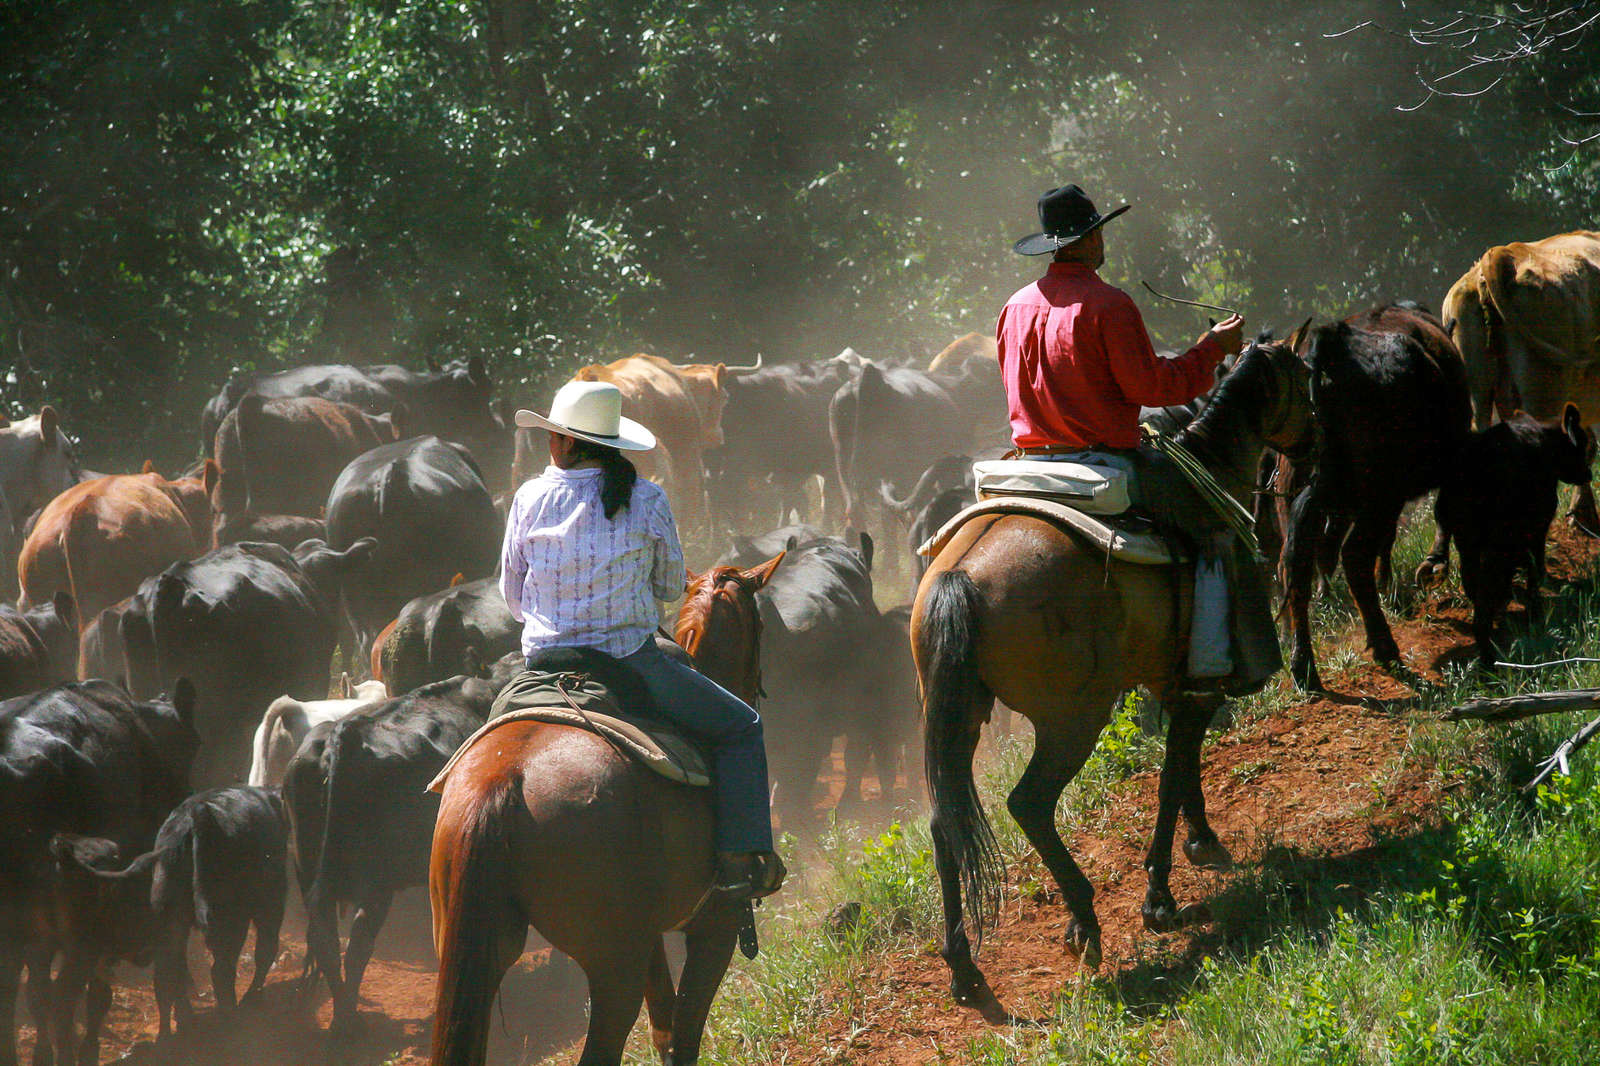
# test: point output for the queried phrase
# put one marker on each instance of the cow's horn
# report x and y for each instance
(745, 369)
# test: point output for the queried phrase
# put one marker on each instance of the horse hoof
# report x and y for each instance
(1161, 916)
(1207, 854)
(1083, 943)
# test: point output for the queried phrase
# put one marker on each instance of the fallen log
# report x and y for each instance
(1513, 708)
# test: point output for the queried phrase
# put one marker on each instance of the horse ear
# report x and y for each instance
(1297, 339)
(689, 578)
(458, 579)
(1572, 423)
(48, 424)
(760, 575)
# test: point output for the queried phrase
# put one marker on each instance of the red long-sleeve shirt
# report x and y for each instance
(1078, 364)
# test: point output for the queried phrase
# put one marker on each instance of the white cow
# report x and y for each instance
(287, 722)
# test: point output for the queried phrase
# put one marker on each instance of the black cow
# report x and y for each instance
(884, 425)
(775, 440)
(246, 623)
(818, 617)
(38, 647)
(80, 758)
(745, 552)
(453, 401)
(453, 631)
(361, 822)
(285, 530)
(218, 865)
(280, 456)
(1392, 415)
(1497, 503)
(425, 501)
(938, 496)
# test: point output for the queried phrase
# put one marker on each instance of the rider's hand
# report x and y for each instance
(1229, 334)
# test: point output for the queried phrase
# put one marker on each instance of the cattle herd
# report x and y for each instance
(177, 633)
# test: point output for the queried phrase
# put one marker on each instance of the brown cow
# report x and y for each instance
(682, 405)
(100, 539)
(966, 347)
(282, 456)
(1526, 318)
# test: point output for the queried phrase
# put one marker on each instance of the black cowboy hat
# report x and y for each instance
(1065, 214)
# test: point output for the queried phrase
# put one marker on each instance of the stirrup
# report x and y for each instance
(749, 874)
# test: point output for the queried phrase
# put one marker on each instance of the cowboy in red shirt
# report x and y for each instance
(1078, 365)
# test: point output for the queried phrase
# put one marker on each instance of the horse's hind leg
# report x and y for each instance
(710, 945)
(1057, 757)
(659, 998)
(616, 988)
(1373, 529)
(1180, 787)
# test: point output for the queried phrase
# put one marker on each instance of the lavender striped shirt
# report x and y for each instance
(575, 578)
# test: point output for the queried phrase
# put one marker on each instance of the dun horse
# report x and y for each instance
(551, 827)
(1016, 609)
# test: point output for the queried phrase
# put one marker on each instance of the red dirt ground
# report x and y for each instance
(1327, 776)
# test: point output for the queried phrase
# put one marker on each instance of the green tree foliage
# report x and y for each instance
(190, 191)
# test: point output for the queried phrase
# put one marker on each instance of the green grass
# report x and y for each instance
(1472, 940)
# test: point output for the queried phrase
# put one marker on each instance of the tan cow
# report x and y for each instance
(954, 355)
(682, 405)
(1526, 318)
(101, 538)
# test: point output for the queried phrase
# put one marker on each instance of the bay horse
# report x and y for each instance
(1017, 609)
(550, 826)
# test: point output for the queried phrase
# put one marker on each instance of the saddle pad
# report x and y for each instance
(528, 699)
(1093, 487)
(1144, 549)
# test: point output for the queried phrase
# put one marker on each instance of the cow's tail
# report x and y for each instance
(77, 548)
(477, 926)
(322, 932)
(250, 426)
(955, 702)
(285, 710)
(175, 873)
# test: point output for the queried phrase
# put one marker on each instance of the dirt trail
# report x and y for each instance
(1326, 778)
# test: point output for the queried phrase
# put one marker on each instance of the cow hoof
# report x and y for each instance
(1160, 913)
(1305, 677)
(347, 1026)
(1207, 854)
(1083, 943)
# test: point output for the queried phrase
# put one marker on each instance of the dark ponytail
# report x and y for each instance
(617, 474)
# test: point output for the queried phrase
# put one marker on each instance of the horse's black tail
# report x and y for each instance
(477, 928)
(954, 701)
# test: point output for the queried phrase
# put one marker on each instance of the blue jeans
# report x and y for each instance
(730, 732)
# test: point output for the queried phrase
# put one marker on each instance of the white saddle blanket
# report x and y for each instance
(1145, 549)
(1094, 484)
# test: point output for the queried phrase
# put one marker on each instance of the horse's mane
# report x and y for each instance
(703, 597)
(1227, 422)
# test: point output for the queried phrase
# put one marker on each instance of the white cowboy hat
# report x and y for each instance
(591, 411)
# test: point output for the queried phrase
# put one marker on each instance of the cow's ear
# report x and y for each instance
(397, 420)
(431, 363)
(361, 551)
(66, 609)
(721, 374)
(211, 477)
(790, 544)
(1572, 423)
(473, 664)
(458, 579)
(48, 424)
(477, 370)
(760, 575)
(344, 684)
(149, 467)
(183, 698)
(866, 550)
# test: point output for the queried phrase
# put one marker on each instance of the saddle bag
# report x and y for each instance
(1093, 482)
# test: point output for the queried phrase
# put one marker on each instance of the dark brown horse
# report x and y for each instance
(1016, 609)
(551, 827)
